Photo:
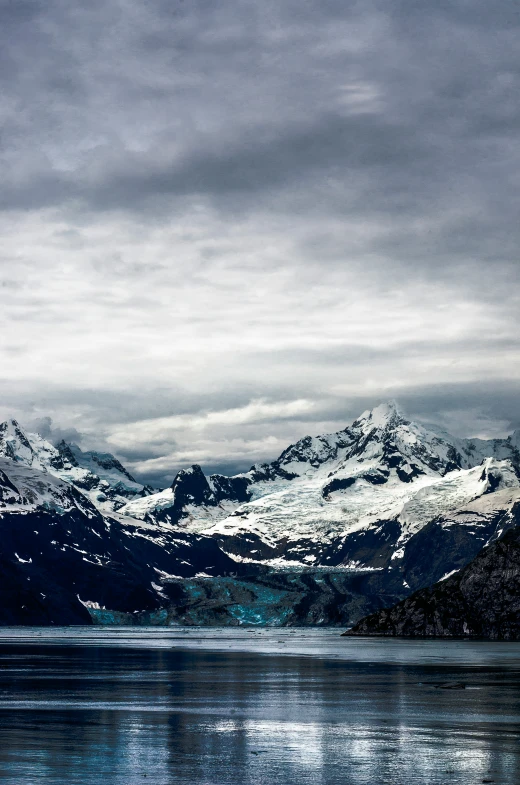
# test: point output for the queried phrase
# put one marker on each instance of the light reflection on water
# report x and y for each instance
(250, 707)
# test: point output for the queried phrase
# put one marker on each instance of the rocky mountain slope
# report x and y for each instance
(480, 601)
(60, 557)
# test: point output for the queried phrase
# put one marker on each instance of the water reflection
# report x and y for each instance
(219, 713)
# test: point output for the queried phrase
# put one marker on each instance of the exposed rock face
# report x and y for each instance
(480, 601)
(232, 488)
(190, 491)
(190, 486)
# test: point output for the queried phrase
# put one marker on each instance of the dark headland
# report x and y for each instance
(480, 601)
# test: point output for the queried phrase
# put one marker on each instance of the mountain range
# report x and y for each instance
(336, 527)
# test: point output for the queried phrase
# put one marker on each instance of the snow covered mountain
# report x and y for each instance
(99, 475)
(323, 491)
(337, 527)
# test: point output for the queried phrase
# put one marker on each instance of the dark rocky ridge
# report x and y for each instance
(480, 601)
(192, 487)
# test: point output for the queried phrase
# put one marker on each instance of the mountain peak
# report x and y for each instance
(15, 443)
(10, 426)
(99, 476)
(381, 416)
(190, 486)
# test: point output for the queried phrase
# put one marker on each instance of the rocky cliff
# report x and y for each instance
(480, 601)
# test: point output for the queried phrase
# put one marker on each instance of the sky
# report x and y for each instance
(228, 225)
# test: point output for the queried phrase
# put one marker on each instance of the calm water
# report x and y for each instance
(254, 707)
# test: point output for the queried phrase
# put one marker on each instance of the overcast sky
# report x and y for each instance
(228, 224)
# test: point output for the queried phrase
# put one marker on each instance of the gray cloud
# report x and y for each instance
(206, 206)
(54, 434)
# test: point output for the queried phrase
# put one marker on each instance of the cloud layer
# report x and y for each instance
(226, 225)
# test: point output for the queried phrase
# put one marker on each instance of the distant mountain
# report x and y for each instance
(99, 475)
(336, 527)
(480, 601)
(326, 497)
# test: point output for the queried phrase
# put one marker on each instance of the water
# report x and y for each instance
(254, 707)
